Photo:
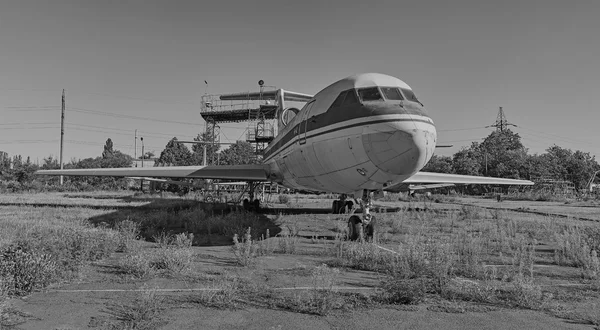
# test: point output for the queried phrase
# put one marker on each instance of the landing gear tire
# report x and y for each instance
(349, 205)
(254, 206)
(335, 207)
(370, 229)
(354, 227)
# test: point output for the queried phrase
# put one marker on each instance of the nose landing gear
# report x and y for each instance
(362, 228)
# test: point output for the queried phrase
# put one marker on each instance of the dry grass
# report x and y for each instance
(142, 313)
(173, 255)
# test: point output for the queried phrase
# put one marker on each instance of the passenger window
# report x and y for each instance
(392, 93)
(340, 99)
(409, 95)
(369, 94)
(350, 98)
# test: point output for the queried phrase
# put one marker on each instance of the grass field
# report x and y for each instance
(453, 255)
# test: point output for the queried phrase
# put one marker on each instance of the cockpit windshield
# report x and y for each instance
(410, 95)
(392, 93)
(369, 94)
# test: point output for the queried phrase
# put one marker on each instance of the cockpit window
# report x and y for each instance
(339, 100)
(392, 93)
(345, 98)
(350, 98)
(410, 95)
(369, 94)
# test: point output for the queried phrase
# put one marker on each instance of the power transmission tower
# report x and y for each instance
(501, 122)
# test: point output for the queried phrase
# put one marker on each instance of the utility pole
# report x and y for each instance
(62, 133)
(142, 180)
(142, 139)
(135, 148)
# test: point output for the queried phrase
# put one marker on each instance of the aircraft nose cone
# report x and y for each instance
(402, 150)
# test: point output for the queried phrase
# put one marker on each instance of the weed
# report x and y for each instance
(466, 290)
(23, 270)
(172, 259)
(223, 292)
(143, 313)
(244, 249)
(284, 199)
(136, 264)
(397, 290)
(523, 258)
(265, 244)
(469, 253)
(591, 268)
(288, 243)
(574, 249)
(129, 232)
(323, 280)
(524, 293)
(5, 285)
(468, 212)
(497, 214)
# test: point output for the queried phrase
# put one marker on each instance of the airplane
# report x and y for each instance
(356, 137)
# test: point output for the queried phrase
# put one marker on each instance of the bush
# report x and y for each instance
(284, 199)
(24, 270)
(403, 291)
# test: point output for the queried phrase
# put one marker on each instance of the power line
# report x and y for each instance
(461, 129)
(111, 114)
(26, 141)
(28, 128)
(566, 139)
(26, 123)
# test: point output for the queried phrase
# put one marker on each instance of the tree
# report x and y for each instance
(175, 154)
(439, 164)
(50, 163)
(108, 149)
(211, 149)
(237, 154)
(467, 161)
(503, 155)
(147, 155)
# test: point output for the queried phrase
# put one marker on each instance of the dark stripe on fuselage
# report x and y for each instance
(346, 113)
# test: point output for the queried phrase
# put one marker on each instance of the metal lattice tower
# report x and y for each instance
(501, 122)
(214, 131)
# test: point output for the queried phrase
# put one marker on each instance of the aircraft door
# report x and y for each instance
(304, 123)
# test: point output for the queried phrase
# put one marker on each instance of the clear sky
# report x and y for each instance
(149, 59)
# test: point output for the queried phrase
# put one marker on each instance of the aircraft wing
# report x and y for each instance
(229, 172)
(429, 177)
(267, 95)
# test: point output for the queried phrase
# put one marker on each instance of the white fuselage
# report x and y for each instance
(348, 148)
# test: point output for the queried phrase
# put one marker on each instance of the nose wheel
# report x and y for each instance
(361, 228)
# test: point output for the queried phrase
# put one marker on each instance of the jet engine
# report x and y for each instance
(286, 116)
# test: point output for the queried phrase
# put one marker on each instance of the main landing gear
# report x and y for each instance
(342, 205)
(362, 228)
(255, 204)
